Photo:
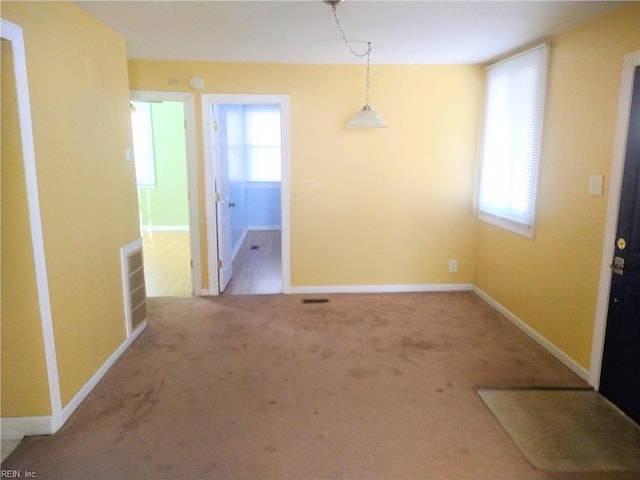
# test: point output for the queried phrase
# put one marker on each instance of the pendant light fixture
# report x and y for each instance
(366, 117)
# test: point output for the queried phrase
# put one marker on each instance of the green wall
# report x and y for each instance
(166, 204)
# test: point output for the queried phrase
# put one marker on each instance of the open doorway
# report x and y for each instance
(160, 134)
(249, 151)
(248, 156)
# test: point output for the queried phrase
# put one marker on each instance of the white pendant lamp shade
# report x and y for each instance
(367, 118)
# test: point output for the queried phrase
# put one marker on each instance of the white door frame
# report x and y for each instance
(13, 33)
(631, 61)
(192, 172)
(208, 100)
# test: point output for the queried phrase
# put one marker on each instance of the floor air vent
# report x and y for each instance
(135, 295)
(315, 300)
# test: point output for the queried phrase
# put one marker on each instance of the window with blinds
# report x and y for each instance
(513, 119)
(262, 142)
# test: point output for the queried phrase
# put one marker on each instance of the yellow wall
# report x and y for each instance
(81, 120)
(367, 207)
(377, 207)
(551, 282)
(22, 346)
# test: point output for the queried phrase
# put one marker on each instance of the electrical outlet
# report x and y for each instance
(453, 266)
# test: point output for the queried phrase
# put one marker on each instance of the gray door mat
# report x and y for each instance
(566, 430)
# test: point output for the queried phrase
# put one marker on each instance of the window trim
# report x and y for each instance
(523, 229)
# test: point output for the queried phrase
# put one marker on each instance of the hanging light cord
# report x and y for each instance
(368, 68)
(367, 53)
(344, 35)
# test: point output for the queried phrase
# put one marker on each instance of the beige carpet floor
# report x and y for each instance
(268, 387)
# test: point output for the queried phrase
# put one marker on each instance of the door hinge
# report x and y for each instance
(214, 126)
(217, 197)
(219, 263)
(191, 263)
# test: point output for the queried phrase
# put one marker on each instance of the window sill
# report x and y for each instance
(517, 228)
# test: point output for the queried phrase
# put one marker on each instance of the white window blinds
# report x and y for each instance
(262, 135)
(514, 112)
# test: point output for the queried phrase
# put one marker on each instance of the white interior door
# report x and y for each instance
(223, 203)
(214, 182)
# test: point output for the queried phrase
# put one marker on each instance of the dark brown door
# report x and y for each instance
(620, 379)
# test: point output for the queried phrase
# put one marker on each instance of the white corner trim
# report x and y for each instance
(16, 428)
(285, 199)
(75, 402)
(536, 336)
(14, 34)
(436, 287)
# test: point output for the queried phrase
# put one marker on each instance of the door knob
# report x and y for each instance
(232, 204)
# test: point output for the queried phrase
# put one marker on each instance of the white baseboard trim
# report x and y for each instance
(75, 402)
(436, 287)
(260, 228)
(164, 228)
(16, 428)
(238, 244)
(536, 336)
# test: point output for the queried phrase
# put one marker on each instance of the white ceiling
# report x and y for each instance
(304, 31)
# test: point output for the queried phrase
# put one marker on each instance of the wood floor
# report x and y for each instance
(257, 267)
(167, 264)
